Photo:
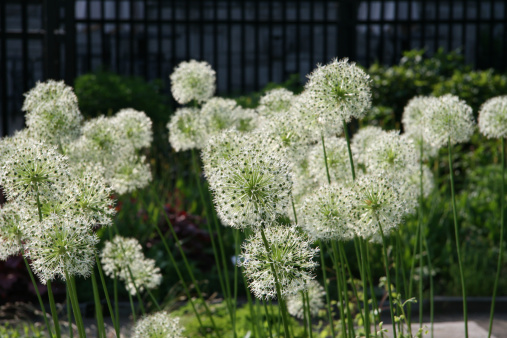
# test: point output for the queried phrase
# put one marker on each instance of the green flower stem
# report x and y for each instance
(307, 306)
(362, 247)
(340, 281)
(116, 307)
(75, 306)
(344, 263)
(101, 330)
(222, 276)
(106, 293)
(281, 302)
(346, 132)
(69, 313)
(432, 298)
(401, 280)
(456, 233)
(257, 332)
(386, 264)
(412, 268)
(325, 158)
(41, 303)
(132, 308)
(236, 255)
(326, 288)
(372, 291)
(189, 269)
(500, 253)
(154, 300)
(421, 234)
(268, 318)
(305, 318)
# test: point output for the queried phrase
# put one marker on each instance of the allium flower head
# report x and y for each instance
(193, 80)
(391, 152)
(339, 91)
(376, 200)
(493, 117)
(246, 119)
(316, 294)
(60, 245)
(135, 126)
(129, 173)
(33, 168)
(337, 161)
(11, 230)
(251, 186)
(325, 214)
(158, 325)
(291, 254)
(275, 101)
(52, 112)
(218, 114)
(186, 129)
(122, 254)
(450, 119)
(363, 139)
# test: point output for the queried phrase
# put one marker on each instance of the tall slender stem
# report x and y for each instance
(386, 264)
(69, 314)
(106, 293)
(351, 159)
(500, 253)
(75, 306)
(421, 233)
(325, 157)
(456, 233)
(307, 297)
(53, 309)
(341, 287)
(101, 330)
(326, 288)
(366, 306)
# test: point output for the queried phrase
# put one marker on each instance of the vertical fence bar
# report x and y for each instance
(491, 33)
(256, 46)
(229, 45)
(381, 37)
(464, 26)
(397, 31)
(70, 42)
(159, 39)
(174, 35)
(270, 41)
(146, 44)
(312, 33)
(88, 56)
(131, 37)
(50, 12)
(284, 40)
(477, 32)
(104, 51)
(504, 34)
(242, 44)
(298, 38)
(117, 35)
(187, 30)
(423, 24)
(368, 33)
(3, 70)
(24, 45)
(201, 30)
(449, 29)
(409, 26)
(437, 26)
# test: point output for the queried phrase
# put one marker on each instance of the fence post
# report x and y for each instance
(347, 34)
(51, 53)
(70, 42)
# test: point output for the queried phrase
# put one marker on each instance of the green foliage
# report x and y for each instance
(105, 92)
(24, 329)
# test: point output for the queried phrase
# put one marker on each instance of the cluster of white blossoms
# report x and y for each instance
(158, 325)
(337, 158)
(123, 258)
(11, 230)
(493, 117)
(290, 255)
(193, 81)
(275, 101)
(315, 294)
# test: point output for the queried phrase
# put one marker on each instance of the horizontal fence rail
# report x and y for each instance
(248, 43)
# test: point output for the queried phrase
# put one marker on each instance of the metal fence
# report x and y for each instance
(248, 43)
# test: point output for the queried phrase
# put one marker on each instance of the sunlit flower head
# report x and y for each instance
(245, 119)
(275, 101)
(292, 257)
(193, 80)
(451, 120)
(325, 214)
(338, 162)
(61, 246)
(339, 91)
(130, 172)
(158, 325)
(135, 127)
(493, 117)
(219, 114)
(316, 294)
(363, 140)
(186, 129)
(52, 112)
(11, 230)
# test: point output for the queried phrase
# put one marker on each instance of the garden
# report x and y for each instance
(339, 207)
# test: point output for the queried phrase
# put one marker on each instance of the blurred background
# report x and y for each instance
(248, 43)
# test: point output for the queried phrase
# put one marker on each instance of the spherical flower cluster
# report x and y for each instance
(246, 119)
(158, 325)
(339, 91)
(33, 169)
(338, 162)
(193, 80)
(186, 129)
(61, 246)
(325, 214)
(275, 101)
(52, 113)
(376, 204)
(253, 185)
(363, 140)
(290, 253)
(218, 114)
(11, 232)
(450, 120)
(135, 127)
(315, 294)
(123, 258)
(130, 172)
(493, 117)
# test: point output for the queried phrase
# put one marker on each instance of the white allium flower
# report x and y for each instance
(251, 186)
(363, 140)
(339, 91)
(120, 254)
(246, 119)
(376, 200)
(337, 161)
(33, 168)
(60, 245)
(52, 112)
(11, 230)
(275, 101)
(193, 80)
(325, 214)
(186, 129)
(218, 114)
(391, 152)
(493, 117)
(135, 126)
(449, 120)
(158, 325)
(130, 173)
(292, 257)
(316, 294)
